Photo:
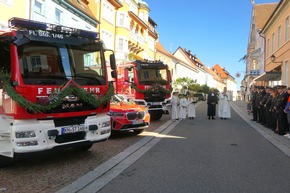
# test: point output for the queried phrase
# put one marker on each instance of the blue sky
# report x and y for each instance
(215, 30)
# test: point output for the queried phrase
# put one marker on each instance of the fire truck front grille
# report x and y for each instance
(133, 116)
(69, 121)
(70, 137)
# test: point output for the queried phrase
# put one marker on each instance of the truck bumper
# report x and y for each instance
(39, 135)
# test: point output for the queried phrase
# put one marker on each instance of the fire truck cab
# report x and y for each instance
(147, 83)
(54, 88)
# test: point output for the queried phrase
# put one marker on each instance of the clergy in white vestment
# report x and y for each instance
(191, 106)
(174, 105)
(224, 110)
(183, 104)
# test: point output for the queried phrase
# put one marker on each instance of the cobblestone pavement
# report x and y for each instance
(47, 172)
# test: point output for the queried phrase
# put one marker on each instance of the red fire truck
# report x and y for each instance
(147, 83)
(54, 88)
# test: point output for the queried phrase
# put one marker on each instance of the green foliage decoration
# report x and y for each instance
(55, 99)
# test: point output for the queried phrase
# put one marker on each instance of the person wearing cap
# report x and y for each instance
(263, 107)
(287, 111)
(174, 104)
(279, 108)
(253, 101)
(267, 107)
(273, 120)
(260, 95)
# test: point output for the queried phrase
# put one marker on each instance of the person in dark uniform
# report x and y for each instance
(260, 95)
(212, 101)
(273, 124)
(279, 108)
(267, 108)
(253, 101)
(262, 104)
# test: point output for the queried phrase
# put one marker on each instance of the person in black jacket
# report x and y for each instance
(212, 101)
(279, 108)
(253, 101)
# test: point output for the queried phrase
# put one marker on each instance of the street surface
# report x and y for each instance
(223, 156)
(200, 155)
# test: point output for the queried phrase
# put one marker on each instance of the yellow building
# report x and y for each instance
(126, 28)
(12, 8)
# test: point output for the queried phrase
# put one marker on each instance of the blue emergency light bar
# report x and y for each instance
(19, 23)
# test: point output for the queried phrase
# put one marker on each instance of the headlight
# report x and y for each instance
(106, 124)
(25, 134)
(27, 143)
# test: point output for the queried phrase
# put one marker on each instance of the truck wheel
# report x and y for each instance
(155, 115)
(138, 131)
(5, 161)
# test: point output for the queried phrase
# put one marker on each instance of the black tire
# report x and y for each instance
(138, 131)
(155, 115)
(5, 161)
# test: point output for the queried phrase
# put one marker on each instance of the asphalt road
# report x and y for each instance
(205, 156)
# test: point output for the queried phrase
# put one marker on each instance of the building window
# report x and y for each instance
(273, 42)
(287, 29)
(57, 15)
(8, 2)
(268, 47)
(122, 19)
(279, 36)
(120, 44)
(38, 7)
(108, 12)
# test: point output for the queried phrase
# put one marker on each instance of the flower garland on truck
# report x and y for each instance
(55, 98)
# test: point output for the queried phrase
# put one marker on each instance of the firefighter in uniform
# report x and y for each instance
(279, 108)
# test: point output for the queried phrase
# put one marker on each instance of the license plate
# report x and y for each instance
(73, 129)
(155, 103)
(140, 121)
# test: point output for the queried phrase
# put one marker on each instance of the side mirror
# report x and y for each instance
(113, 74)
(113, 61)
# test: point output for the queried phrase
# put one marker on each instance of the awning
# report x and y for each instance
(267, 76)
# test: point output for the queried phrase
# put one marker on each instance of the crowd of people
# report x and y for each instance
(182, 106)
(271, 107)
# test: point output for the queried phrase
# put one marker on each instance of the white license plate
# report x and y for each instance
(73, 129)
(155, 103)
(140, 121)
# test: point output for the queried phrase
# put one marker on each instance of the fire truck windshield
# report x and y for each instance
(152, 75)
(53, 64)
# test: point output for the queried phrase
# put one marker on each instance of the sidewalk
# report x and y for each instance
(281, 142)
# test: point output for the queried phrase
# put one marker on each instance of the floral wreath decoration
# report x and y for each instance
(56, 98)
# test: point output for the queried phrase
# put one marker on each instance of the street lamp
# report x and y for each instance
(273, 58)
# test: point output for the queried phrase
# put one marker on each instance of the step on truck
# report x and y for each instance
(54, 89)
(148, 83)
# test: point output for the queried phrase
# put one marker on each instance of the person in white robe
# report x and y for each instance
(224, 110)
(183, 104)
(174, 106)
(191, 106)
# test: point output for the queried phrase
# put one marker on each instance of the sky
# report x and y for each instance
(216, 31)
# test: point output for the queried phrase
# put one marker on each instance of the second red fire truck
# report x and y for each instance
(147, 83)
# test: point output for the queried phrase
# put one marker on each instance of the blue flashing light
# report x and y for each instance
(19, 23)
